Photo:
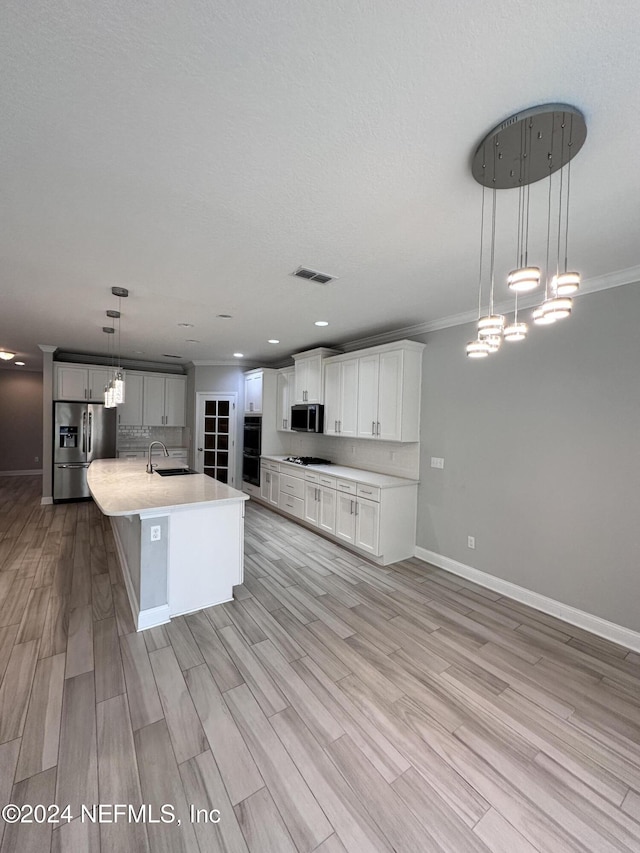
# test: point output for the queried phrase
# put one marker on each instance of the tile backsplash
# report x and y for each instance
(138, 437)
(384, 457)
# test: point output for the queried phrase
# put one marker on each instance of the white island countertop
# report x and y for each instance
(123, 487)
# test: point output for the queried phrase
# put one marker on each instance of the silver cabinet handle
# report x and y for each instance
(356, 507)
(339, 426)
(351, 502)
(84, 432)
(373, 427)
(378, 433)
(335, 426)
(85, 393)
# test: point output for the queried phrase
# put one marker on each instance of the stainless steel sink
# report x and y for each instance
(174, 472)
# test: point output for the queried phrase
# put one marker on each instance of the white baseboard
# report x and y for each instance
(26, 473)
(595, 624)
(46, 501)
(153, 617)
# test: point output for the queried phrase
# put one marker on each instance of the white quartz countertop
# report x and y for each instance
(123, 487)
(343, 472)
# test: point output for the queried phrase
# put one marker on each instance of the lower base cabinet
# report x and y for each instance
(381, 525)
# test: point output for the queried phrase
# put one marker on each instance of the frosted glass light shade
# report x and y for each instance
(541, 317)
(490, 325)
(566, 284)
(493, 342)
(516, 332)
(477, 349)
(558, 307)
(118, 389)
(6, 356)
(524, 280)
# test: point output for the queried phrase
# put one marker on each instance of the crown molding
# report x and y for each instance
(619, 278)
(240, 363)
(47, 348)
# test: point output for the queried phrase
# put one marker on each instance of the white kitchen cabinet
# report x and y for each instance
(269, 484)
(130, 412)
(367, 532)
(389, 386)
(75, 382)
(309, 378)
(164, 399)
(341, 397)
(346, 518)
(253, 393)
(175, 399)
(285, 394)
(320, 507)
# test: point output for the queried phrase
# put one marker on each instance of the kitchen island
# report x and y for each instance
(180, 539)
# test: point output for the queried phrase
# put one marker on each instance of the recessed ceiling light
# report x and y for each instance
(238, 355)
(20, 363)
(321, 323)
(138, 352)
(223, 316)
(273, 341)
(186, 325)
(7, 356)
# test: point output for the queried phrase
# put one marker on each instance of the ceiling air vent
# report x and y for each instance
(313, 275)
(169, 355)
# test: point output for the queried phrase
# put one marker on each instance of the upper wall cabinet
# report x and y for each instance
(285, 393)
(164, 400)
(389, 388)
(130, 412)
(80, 382)
(253, 387)
(375, 393)
(309, 377)
(341, 397)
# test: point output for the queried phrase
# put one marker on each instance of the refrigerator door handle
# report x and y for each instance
(90, 430)
(84, 432)
(76, 465)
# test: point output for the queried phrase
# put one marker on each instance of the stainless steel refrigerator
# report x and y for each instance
(82, 432)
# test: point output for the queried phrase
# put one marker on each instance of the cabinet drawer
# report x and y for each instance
(347, 486)
(291, 505)
(371, 492)
(329, 482)
(293, 471)
(270, 466)
(292, 486)
(311, 477)
(178, 454)
(131, 454)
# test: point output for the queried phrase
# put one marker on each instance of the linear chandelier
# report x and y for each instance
(528, 147)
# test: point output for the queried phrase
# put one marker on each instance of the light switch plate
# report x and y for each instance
(437, 462)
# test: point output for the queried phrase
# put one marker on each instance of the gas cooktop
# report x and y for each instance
(307, 460)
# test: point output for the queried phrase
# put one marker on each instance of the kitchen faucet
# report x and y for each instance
(149, 463)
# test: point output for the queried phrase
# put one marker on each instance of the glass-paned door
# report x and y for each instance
(216, 437)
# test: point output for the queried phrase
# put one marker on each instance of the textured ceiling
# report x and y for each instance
(197, 152)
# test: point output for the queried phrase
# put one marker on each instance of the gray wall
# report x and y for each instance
(542, 456)
(20, 420)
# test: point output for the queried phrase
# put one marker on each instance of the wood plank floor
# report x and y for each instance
(333, 706)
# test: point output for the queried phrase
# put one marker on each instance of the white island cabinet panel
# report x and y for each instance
(180, 540)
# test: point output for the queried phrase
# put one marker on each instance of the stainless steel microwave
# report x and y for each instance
(307, 417)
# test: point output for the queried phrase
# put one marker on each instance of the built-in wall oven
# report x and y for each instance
(252, 446)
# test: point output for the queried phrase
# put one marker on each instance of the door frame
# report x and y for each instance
(201, 398)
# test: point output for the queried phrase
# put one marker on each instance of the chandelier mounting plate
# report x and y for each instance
(529, 146)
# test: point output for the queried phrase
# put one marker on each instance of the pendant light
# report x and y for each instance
(529, 147)
(118, 378)
(479, 348)
(492, 325)
(108, 389)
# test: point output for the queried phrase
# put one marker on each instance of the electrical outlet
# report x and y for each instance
(437, 462)
(471, 542)
(156, 532)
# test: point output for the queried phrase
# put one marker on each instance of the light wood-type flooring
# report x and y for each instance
(333, 706)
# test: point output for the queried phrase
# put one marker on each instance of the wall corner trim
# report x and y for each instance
(46, 501)
(595, 624)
